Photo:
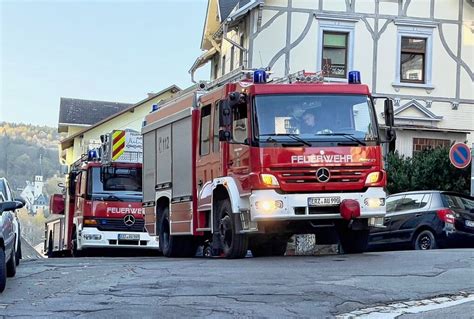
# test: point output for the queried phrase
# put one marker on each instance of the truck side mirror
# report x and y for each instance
(225, 113)
(57, 204)
(225, 136)
(8, 206)
(21, 201)
(389, 120)
(72, 183)
(388, 112)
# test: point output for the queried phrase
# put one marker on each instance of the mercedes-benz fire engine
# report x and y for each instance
(246, 165)
(101, 203)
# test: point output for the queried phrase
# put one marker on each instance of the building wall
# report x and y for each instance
(286, 35)
(129, 120)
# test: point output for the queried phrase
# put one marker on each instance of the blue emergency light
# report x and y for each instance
(354, 77)
(92, 154)
(259, 76)
(154, 107)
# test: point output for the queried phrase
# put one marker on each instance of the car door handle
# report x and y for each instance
(418, 215)
(388, 219)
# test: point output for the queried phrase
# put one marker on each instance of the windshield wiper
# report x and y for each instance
(112, 198)
(347, 135)
(293, 136)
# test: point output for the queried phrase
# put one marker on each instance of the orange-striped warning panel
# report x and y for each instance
(118, 144)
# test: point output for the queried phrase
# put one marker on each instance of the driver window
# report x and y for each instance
(239, 127)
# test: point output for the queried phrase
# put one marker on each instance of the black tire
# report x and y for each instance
(174, 246)
(424, 240)
(268, 247)
(353, 241)
(279, 247)
(74, 251)
(11, 264)
(233, 245)
(18, 255)
(3, 270)
(50, 246)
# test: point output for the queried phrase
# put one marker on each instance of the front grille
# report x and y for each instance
(339, 174)
(128, 242)
(323, 210)
(109, 224)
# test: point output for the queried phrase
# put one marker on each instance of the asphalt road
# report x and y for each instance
(152, 287)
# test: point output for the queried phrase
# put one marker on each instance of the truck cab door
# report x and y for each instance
(208, 161)
(239, 149)
(80, 196)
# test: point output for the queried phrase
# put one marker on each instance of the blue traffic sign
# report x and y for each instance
(460, 155)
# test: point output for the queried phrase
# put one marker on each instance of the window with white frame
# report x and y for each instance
(334, 58)
(414, 56)
(412, 59)
(336, 47)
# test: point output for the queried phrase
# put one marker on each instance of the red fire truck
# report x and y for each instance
(247, 164)
(101, 204)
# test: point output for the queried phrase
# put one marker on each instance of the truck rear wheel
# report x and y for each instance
(353, 241)
(233, 245)
(174, 246)
(3, 270)
(50, 246)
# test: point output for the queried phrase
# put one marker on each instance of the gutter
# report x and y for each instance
(244, 10)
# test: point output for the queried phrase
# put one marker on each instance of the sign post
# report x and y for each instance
(472, 173)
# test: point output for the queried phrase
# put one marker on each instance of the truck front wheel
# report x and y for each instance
(268, 247)
(74, 251)
(233, 245)
(353, 241)
(174, 246)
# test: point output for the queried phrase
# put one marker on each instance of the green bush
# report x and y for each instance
(426, 170)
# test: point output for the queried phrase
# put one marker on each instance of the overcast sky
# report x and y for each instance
(99, 50)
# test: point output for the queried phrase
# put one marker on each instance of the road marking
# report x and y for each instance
(409, 307)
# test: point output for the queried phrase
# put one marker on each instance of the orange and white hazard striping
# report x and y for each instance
(118, 144)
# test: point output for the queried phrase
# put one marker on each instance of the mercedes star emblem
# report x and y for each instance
(129, 220)
(323, 175)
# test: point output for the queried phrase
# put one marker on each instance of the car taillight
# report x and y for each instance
(446, 215)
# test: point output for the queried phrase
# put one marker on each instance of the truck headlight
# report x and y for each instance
(374, 202)
(92, 236)
(269, 205)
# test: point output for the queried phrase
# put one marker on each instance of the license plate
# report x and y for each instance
(129, 237)
(469, 223)
(324, 201)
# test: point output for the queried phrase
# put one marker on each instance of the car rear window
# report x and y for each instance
(459, 202)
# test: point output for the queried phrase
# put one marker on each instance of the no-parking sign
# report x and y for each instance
(460, 155)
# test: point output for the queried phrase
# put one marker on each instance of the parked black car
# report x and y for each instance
(426, 220)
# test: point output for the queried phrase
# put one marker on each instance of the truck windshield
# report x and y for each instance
(115, 183)
(315, 117)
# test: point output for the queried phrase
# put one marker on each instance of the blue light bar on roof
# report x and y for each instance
(354, 77)
(259, 76)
